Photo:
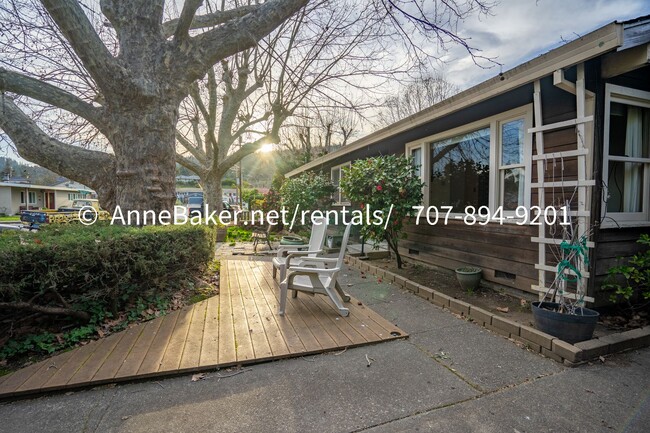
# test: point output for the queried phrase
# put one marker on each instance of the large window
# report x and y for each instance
(627, 154)
(32, 197)
(485, 163)
(460, 171)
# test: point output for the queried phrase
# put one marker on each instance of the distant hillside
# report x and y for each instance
(36, 174)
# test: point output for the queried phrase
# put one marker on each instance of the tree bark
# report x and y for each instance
(212, 192)
(144, 142)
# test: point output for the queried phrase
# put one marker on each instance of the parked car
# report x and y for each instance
(195, 206)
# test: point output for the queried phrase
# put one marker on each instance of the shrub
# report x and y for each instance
(380, 183)
(309, 191)
(238, 234)
(631, 282)
(77, 270)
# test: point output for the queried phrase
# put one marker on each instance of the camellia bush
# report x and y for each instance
(380, 183)
(309, 191)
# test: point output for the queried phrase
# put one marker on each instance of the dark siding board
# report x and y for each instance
(557, 105)
(637, 79)
(615, 243)
(426, 235)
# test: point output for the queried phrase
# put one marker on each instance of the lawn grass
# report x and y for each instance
(9, 218)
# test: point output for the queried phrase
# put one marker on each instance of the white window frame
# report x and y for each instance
(494, 123)
(31, 194)
(526, 163)
(423, 169)
(639, 98)
(338, 195)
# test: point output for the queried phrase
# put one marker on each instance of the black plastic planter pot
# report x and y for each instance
(571, 328)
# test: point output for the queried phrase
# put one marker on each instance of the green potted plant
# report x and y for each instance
(469, 277)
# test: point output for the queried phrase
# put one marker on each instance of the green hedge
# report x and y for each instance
(84, 266)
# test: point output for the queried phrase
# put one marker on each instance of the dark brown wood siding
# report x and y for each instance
(505, 252)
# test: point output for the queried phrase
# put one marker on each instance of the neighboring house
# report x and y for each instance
(579, 114)
(15, 197)
(83, 191)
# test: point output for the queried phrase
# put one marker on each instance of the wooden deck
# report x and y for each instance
(239, 326)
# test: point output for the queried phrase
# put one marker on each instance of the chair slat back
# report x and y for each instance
(317, 237)
(344, 245)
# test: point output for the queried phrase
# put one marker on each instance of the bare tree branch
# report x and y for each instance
(209, 20)
(185, 21)
(35, 145)
(23, 85)
(234, 36)
(85, 42)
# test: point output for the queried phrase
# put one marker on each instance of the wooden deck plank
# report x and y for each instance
(192, 351)
(133, 360)
(210, 343)
(47, 370)
(243, 342)
(382, 325)
(96, 359)
(4, 377)
(293, 321)
(67, 370)
(343, 325)
(153, 358)
(261, 346)
(172, 358)
(326, 321)
(11, 383)
(274, 335)
(119, 354)
(227, 351)
(212, 333)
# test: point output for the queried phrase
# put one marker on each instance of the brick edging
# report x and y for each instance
(534, 340)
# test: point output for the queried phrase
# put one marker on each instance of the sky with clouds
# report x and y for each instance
(519, 30)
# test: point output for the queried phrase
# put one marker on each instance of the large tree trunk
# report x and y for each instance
(212, 192)
(144, 144)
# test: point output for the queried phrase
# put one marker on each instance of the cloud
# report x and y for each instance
(520, 30)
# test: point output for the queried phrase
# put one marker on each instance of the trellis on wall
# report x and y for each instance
(563, 250)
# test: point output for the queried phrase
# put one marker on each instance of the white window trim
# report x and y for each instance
(629, 96)
(338, 201)
(493, 122)
(29, 195)
(423, 169)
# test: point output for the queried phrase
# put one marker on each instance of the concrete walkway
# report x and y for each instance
(449, 376)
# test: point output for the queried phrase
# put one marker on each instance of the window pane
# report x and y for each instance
(512, 142)
(625, 187)
(460, 171)
(416, 159)
(629, 131)
(513, 188)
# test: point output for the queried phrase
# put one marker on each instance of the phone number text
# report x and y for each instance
(483, 215)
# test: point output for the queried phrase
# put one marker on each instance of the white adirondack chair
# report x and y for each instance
(295, 254)
(319, 279)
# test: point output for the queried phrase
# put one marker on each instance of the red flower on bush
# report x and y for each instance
(379, 188)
